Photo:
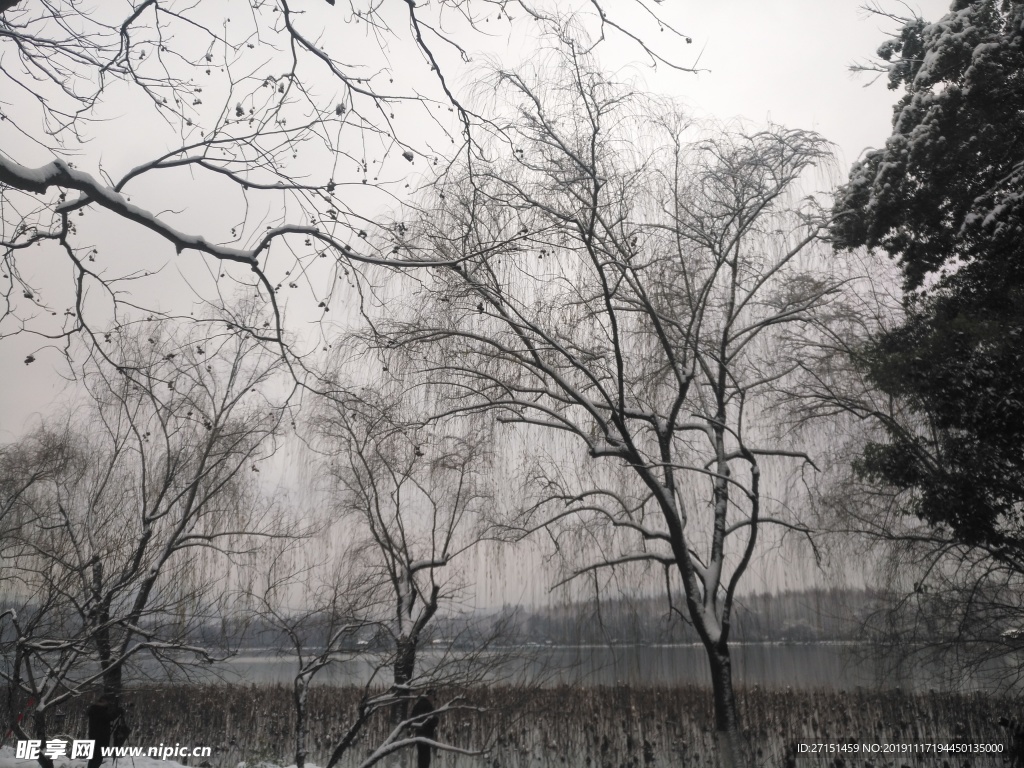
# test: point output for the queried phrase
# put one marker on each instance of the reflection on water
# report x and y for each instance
(829, 666)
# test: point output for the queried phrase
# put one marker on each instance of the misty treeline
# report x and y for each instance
(796, 616)
(632, 352)
(793, 616)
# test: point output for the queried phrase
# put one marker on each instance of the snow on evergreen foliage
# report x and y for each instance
(947, 185)
(945, 198)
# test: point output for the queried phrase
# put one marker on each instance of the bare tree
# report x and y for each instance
(417, 494)
(320, 601)
(254, 110)
(317, 606)
(35, 460)
(152, 479)
(623, 276)
(942, 598)
(945, 611)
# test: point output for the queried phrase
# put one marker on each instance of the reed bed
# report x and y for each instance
(590, 727)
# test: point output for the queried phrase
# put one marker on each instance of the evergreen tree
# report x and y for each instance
(945, 198)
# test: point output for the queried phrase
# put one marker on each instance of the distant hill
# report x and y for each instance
(793, 616)
(813, 615)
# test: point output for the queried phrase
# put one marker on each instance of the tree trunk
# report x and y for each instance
(113, 678)
(405, 667)
(733, 750)
(300, 691)
(113, 690)
(113, 684)
(107, 726)
(39, 721)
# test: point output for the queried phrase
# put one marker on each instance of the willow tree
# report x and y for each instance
(619, 276)
(142, 492)
(413, 496)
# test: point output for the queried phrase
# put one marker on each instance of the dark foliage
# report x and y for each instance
(945, 198)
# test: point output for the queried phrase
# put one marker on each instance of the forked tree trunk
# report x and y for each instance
(733, 749)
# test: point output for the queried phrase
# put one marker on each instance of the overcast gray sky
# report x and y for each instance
(781, 60)
(784, 61)
(788, 61)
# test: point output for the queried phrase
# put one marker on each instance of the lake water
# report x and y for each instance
(831, 666)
